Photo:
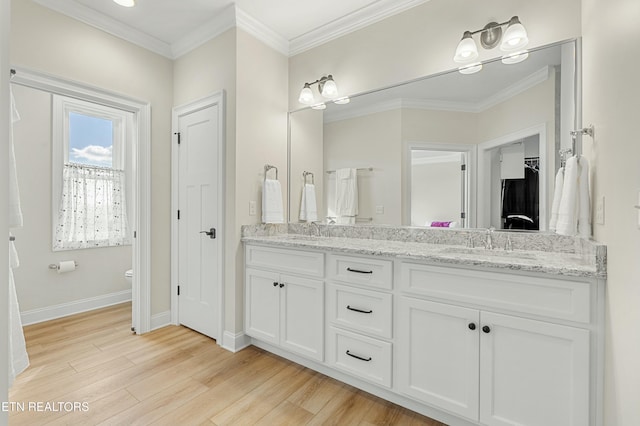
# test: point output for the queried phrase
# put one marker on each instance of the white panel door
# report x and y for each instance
(438, 347)
(199, 257)
(533, 373)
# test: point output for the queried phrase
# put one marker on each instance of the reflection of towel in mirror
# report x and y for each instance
(272, 210)
(308, 208)
(557, 196)
(346, 195)
(15, 211)
(575, 205)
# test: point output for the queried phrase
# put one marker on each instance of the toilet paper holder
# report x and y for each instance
(54, 266)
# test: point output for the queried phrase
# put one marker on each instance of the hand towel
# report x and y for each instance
(272, 210)
(557, 196)
(346, 194)
(308, 205)
(18, 357)
(15, 211)
(584, 200)
(567, 223)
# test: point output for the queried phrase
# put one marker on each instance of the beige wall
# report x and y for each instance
(101, 270)
(422, 41)
(254, 78)
(612, 104)
(55, 44)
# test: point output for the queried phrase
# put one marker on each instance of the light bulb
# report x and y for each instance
(306, 95)
(126, 3)
(329, 88)
(466, 50)
(514, 58)
(515, 37)
(471, 68)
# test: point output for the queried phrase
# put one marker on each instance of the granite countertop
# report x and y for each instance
(554, 263)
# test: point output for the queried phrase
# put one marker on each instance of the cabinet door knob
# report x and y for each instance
(472, 326)
(281, 285)
(275, 284)
(486, 329)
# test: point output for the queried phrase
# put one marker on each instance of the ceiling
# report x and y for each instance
(173, 27)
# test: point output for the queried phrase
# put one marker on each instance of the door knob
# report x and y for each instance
(211, 233)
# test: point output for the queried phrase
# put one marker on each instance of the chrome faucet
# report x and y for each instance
(314, 225)
(488, 244)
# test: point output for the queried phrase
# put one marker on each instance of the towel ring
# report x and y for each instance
(268, 167)
(304, 176)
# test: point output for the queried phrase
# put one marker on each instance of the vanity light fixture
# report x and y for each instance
(327, 88)
(126, 3)
(512, 42)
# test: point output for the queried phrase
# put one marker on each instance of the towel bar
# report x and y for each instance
(268, 167)
(304, 176)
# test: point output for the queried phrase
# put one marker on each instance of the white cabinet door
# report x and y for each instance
(262, 305)
(438, 347)
(302, 316)
(533, 373)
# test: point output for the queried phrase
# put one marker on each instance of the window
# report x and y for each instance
(89, 179)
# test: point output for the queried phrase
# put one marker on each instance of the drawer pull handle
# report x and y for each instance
(359, 271)
(359, 310)
(358, 357)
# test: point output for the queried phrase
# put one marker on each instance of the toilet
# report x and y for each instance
(129, 276)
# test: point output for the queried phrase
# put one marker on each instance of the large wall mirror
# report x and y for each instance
(448, 150)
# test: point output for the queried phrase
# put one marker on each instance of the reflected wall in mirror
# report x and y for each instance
(401, 143)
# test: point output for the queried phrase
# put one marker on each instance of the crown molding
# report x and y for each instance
(260, 31)
(526, 83)
(433, 104)
(116, 28)
(352, 22)
(205, 32)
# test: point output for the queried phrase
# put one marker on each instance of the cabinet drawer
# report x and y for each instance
(367, 358)
(361, 310)
(283, 260)
(361, 270)
(549, 297)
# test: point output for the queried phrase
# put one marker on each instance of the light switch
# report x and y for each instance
(252, 208)
(599, 213)
(379, 209)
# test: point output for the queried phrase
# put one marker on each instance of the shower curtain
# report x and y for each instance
(18, 357)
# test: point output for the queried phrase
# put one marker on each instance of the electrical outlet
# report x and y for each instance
(379, 209)
(599, 214)
(252, 208)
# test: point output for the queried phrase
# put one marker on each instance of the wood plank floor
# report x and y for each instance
(175, 376)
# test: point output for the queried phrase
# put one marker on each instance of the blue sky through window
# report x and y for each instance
(90, 140)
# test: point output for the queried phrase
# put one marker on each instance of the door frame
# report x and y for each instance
(469, 150)
(547, 162)
(217, 98)
(141, 176)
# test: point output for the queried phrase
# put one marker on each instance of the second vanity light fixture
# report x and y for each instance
(327, 88)
(512, 42)
(126, 3)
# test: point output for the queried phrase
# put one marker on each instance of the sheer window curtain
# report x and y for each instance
(92, 209)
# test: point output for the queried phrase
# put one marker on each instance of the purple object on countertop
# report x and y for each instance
(440, 224)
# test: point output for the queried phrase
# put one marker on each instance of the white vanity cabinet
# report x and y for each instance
(286, 310)
(359, 317)
(491, 367)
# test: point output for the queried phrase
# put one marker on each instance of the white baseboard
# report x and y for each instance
(160, 320)
(235, 342)
(65, 309)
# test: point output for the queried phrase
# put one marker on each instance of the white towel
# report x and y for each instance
(15, 211)
(568, 212)
(346, 195)
(557, 196)
(308, 205)
(272, 210)
(584, 200)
